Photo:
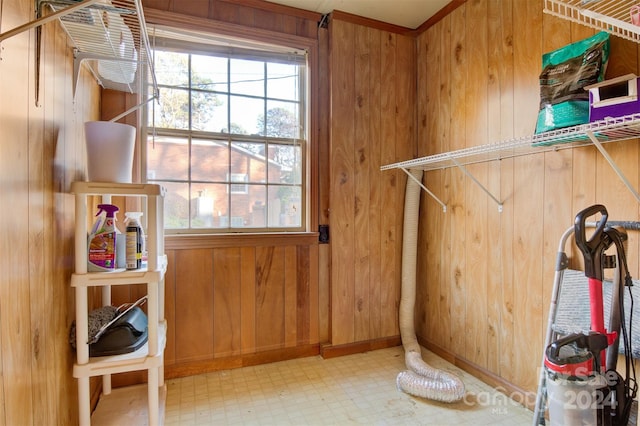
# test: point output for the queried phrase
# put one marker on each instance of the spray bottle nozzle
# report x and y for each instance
(109, 209)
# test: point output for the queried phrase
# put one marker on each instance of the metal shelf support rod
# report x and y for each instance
(444, 206)
(612, 163)
(477, 182)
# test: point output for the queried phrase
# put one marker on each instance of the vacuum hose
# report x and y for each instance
(421, 379)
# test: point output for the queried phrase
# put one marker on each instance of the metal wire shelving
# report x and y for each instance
(597, 133)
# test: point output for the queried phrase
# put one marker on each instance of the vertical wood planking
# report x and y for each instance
(494, 240)
(248, 299)
(195, 299)
(375, 188)
(170, 308)
(313, 303)
(226, 302)
(389, 182)
(455, 208)
(290, 306)
(15, 327)
(270, 306)
(506, 80)
(362, 155)
(304, 296)
(476, 201)
(342, 182)
(528, 196)
(40, 289)
(443, 219)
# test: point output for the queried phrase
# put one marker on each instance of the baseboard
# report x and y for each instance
(509, 389)
(332, 351)
(192, 368)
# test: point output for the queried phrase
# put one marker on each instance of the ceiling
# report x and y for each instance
(406, 13)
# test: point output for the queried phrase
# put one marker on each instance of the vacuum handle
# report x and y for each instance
(595, 343)
(594, 247)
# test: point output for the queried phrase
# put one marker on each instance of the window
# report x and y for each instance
(228, 136)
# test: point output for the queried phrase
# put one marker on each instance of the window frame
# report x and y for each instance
(306, 216)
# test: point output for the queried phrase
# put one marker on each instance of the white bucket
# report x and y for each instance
(110, 148)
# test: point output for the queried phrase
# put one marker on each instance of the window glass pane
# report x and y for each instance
(172, 69)
(285, 208)
(176, 205)
(209, 160)
(209, 112)
(285, 164)
(248, 158)
(209, 73)
(247, 115)
(167, 158)
(247, 77)
(282, 81)
(208, 204)
(227, 140)
(247, 206)
(282, 120)
(172, 109)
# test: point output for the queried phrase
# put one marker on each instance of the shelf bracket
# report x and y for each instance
(444, 206)
(45, 19)
(477, 182)
(612, 163)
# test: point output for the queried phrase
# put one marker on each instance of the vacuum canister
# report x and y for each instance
(575, 388)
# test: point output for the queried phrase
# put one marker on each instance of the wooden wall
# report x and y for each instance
(251, 301)
(372, 91)
(485, 278)
(41, 153)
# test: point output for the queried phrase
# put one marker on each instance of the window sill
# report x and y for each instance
(197, 241)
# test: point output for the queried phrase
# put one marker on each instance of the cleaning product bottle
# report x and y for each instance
(102, 240)
(121, 247)
(135, 239)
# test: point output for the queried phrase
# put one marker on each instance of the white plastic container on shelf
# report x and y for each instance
(110, 149)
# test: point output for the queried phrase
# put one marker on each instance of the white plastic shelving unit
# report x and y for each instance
(597, 133)
(149, 357)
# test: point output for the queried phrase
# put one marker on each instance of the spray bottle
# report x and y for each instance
(102, 240)
(135, 239)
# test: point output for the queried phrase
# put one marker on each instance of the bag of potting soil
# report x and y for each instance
(565, 73)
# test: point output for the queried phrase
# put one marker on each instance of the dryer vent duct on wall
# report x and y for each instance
(421, 379)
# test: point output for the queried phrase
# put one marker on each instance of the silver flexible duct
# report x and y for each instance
(421, 379)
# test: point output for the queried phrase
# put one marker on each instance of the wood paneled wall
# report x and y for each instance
(485, 278)
(372, 123)
(41, 153)
(238, 304)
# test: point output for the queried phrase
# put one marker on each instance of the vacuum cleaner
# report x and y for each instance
(582, 383)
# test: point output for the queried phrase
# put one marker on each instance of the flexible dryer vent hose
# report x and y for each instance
(421, 379)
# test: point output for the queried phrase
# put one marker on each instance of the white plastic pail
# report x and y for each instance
(110, 149)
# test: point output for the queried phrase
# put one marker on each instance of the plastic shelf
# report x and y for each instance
(133, 361)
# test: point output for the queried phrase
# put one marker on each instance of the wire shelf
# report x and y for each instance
(110, 37)
(613, 16)
(608, 130)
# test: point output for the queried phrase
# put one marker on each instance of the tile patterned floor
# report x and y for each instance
(355, 389)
